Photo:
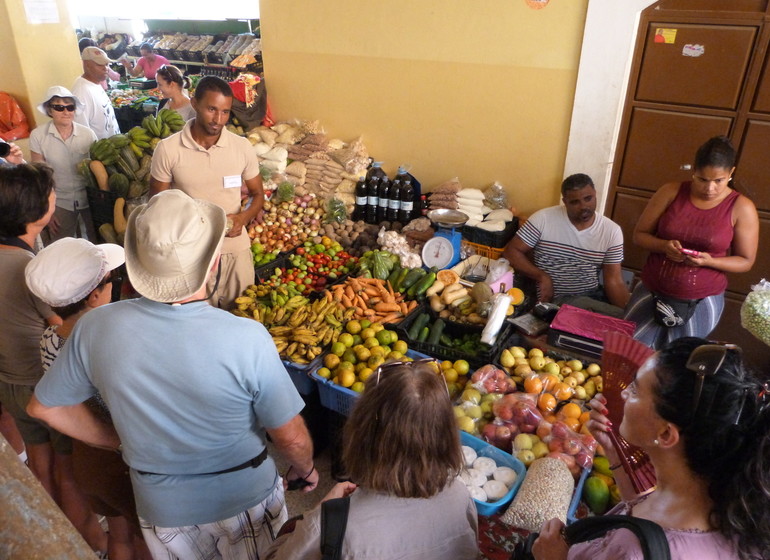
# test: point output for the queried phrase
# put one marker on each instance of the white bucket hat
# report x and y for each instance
(171, 243)
(68, 270)
(57, 91)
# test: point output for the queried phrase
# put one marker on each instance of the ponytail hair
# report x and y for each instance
(726, 437)
(716, 152)
(173, 74)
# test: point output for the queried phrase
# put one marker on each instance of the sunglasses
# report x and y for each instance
(705, 361)
(391, 366)
(61, 108)
(112, 278)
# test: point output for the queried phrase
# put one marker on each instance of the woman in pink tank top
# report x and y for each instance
(704, 421)
(696, 231)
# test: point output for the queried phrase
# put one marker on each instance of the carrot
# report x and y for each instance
(346, 301)
(363, 296)
(371, 291)
(328, 295)
(411, 305)
(355, 285)
(387, 307)
(349, 292)
(404, 307)
(368, 312)
(361, 302)
(392, 318)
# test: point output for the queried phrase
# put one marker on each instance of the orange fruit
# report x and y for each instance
(533, 384)
(562, 391)
(517, 295)
(546, 402)
(571, 410)
(584, 417)
(550, 418)
(572, 423)
(549, 381)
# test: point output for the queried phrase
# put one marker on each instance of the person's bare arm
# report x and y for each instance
(745, 240)
(254, 211)
(158, 186)
(614, 287)
(644, 232)
(293, 442)
(135, 70)
(54, 320)
(517, 254)
(35, 157)
(75, 421)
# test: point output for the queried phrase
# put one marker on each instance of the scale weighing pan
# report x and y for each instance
(444, 217)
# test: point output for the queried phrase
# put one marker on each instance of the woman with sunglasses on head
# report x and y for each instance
(401, 449)
(174, 85)
(696, 232)
(704, 421)
(62, 143)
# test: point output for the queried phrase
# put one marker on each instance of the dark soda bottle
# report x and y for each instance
(359, 213)
(395, 194)
(372, 199)
(406, 208)
(383, 199)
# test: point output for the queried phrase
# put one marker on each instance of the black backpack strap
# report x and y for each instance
(651, 536)
(334, 521)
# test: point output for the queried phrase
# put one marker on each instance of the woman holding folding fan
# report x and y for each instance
(704, 421)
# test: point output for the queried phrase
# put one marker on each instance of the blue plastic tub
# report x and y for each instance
(576, 497)
(503, 459)
(300, 375)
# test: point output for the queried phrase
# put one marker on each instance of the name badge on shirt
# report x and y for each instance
(233, 181)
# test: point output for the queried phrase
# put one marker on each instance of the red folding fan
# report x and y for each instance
(622, 356)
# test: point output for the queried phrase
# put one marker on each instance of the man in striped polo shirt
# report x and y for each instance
(569, 246)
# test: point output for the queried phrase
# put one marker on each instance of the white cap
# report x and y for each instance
(69, 269)
(95, 54)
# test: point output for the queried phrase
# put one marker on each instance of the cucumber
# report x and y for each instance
(400, 279)
(411, 278)
(393, 276)
(444, 340)
(436, 331)
(419, 288)
(423, 334)
(421, 321)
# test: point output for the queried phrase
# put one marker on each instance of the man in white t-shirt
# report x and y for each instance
(98, 114)
(570, 245)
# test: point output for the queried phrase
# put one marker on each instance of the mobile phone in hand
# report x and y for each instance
(690, 252)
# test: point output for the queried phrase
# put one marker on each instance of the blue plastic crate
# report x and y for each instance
(573, 506)
(341, 399)
(300, 375)
(503, 459)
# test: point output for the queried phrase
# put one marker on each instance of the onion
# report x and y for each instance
(314, 222)
(288, 221)
(307, 198)
(297, 199)
(306, 220)
(303, 204)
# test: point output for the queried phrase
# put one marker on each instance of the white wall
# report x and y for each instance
(605, 61)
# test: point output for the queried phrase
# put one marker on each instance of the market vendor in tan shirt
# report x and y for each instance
(209, 162)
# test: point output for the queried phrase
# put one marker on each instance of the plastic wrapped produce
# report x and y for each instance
(755, 311)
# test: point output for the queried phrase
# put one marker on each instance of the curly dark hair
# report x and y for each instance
(726, 439)
(401, 438)
(24, 192)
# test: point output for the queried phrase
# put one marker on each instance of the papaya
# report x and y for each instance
(596, 493)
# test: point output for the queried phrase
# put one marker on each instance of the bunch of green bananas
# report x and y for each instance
(140, 140)
(173, 119)
(104, 151)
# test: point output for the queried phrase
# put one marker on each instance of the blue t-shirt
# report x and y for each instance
(191, 389)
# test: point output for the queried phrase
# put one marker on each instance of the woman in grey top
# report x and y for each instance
(402, 449)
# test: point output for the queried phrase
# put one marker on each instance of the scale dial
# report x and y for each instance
(438, 252)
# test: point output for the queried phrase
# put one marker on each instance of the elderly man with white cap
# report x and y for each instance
(193, 392)
(97, 114)
(62, 143)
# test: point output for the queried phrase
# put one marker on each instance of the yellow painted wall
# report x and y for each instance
(480, 90)
(35, 57)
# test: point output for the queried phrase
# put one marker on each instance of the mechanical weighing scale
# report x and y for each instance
(443, 249)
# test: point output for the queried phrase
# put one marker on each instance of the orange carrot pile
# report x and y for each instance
(373, 299)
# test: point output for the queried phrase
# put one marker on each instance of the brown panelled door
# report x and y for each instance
(699, 70)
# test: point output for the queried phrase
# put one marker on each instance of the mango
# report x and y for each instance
(596, 493)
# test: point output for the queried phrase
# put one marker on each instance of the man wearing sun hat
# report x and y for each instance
(193, 391)
(97, 114)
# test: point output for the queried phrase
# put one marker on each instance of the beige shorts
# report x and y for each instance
(237, 272)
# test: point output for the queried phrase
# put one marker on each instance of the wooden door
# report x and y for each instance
(698, 71)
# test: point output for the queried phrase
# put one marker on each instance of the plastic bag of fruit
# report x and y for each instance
(491, 379)
(519, 409)
(574, 449)
(500, 434)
